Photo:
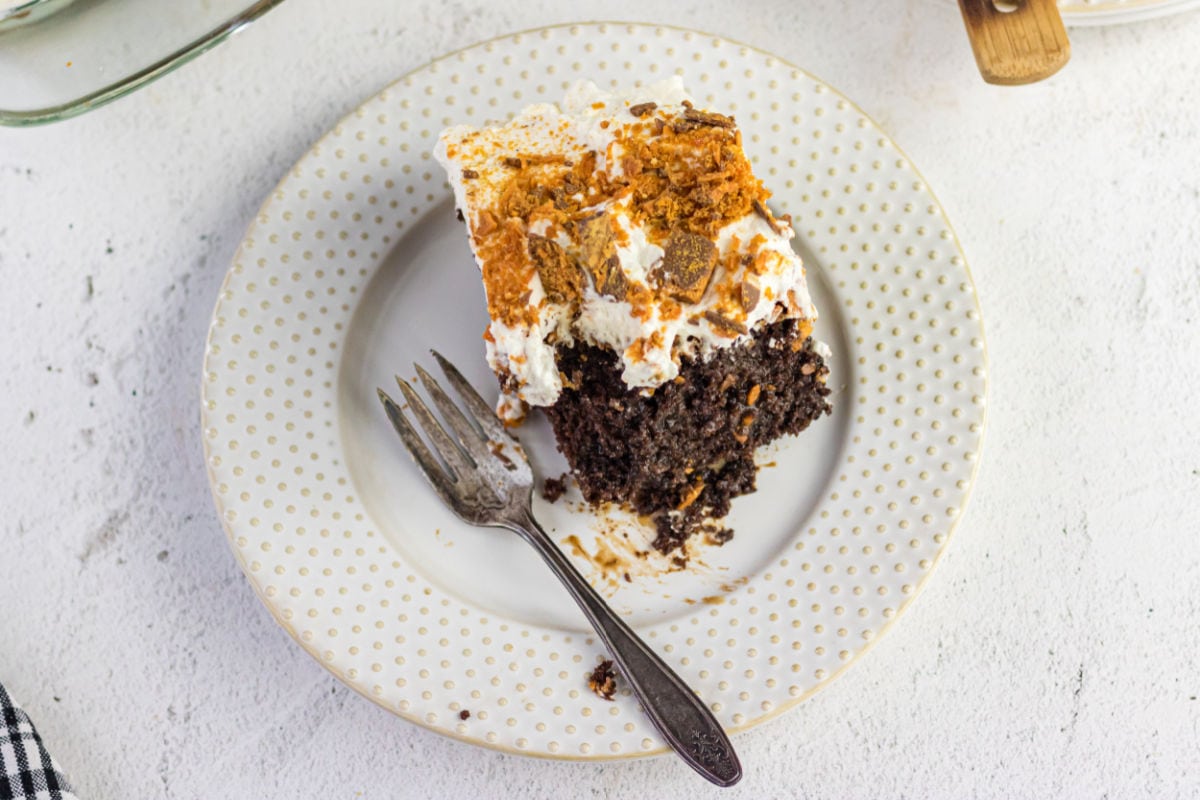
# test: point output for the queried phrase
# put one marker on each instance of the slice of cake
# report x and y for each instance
(641, 294)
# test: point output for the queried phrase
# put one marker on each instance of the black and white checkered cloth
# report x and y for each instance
(27, 772)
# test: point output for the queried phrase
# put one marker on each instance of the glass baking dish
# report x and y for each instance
(59, 58)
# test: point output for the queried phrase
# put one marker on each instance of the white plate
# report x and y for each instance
(355, 266)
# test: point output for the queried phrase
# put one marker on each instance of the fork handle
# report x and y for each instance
(678, 714)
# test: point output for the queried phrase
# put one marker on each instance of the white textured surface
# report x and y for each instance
(1054, 653)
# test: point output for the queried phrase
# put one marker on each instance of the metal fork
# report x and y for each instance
(483, 475)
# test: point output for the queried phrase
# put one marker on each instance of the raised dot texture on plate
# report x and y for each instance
(354, 265)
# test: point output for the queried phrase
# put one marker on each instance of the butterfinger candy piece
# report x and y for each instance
(599, 255)
(559, 273)
(687, 265)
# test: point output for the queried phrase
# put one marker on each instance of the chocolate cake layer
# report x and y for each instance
(685, 450)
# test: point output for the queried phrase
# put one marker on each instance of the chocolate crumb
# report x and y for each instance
(459, 215)
(721, 536)
(724, 323)
(642, 109)
(708, 118)
(692, 119)
(498, 451)
(603, 680)
(761, 210)
(749, 295)
(627, 578)
(469, 174)
(687, 265)
(659, 126)
(554, 488)
(514, 162)
(464, 714)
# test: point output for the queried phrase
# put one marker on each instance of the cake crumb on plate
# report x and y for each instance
(603, 680)
(554, 488)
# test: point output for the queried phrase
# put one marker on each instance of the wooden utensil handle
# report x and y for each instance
(1020, 46)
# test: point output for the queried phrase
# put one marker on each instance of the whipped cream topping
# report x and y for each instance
(753, 252)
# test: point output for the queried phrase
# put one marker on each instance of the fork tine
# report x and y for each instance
(424, 459)
(479, 408)
(468, 436)
(461, 465)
